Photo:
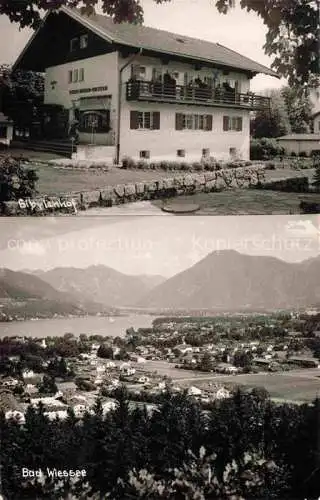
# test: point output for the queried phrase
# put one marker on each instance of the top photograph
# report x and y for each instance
(160, 107)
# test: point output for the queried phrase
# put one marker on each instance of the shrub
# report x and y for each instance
(164, 165)
(185, 166)
(315, 153)
(270, 166)
(265, 148)
(128, 162)
(142, 164)
(309, 207)
(291, 185)
(303, 154)
(197, 166)
(316, 179)
(293, 153)
(16, 180)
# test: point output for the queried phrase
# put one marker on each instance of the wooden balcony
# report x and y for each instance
(179, 94)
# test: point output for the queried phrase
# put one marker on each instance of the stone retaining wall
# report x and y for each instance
(144, 190)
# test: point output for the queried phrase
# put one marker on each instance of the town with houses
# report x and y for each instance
(206, 356)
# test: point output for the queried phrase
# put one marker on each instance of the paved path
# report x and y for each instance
(136, 208)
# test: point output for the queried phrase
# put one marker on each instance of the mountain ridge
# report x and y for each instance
(228, 278)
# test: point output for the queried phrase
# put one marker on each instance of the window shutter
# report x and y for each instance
(179, 121)
(156, 120)
(134, 119)
(226, 123)
(239, 123)
(209, 122)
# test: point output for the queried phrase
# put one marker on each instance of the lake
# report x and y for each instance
(92, 325)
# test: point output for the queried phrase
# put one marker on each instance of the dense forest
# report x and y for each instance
(244, 447)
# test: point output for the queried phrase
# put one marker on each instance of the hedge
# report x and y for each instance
(205, 164)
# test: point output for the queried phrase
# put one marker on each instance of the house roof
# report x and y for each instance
(160, 42)
(300, 137)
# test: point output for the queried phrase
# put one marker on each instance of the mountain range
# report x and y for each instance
(230, 280)
(22, 294)
(225, 280)
(101, 284)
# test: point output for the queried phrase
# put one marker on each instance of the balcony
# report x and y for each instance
(179, 94)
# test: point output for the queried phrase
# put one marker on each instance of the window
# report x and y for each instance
(76, 75)
(145, 120)
(83, 41)
(144, 154)
(94, 121)
(138, 72)
(156, 74)
(79, 42)
(74, 44)
(193, 122)
(181, 153)
(232, 123)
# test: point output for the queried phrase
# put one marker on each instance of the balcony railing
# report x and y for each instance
(161, 92)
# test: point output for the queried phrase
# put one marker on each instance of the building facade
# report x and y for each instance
(144, 93)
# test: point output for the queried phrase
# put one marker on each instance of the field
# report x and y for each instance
(301, 385)
(296, 385)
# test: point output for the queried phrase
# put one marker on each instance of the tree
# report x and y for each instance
(298, 107)
(105, 351)
(16, 180)
(21, 94)
(272, 122)
(48, 386)
(206, 362)
(292, 37)
(243, 359)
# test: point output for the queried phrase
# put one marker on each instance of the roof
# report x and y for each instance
(299, 137)
(159, 41)
(172, 43)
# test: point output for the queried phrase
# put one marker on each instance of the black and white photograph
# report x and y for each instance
(199, 105)
(160, 357)
(160, 250)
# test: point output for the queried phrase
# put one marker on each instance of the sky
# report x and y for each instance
(239, 30)
(162, 245)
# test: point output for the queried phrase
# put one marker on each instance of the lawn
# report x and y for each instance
(298, 386)
(53, 180)
(244, 202)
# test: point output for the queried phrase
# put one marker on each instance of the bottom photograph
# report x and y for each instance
(160, 357)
